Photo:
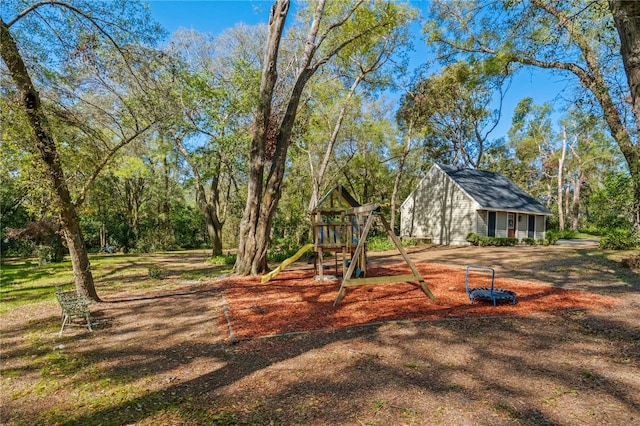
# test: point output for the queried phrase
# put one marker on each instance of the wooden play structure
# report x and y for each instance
(341, 225)
(336, 229)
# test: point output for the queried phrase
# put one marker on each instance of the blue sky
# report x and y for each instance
(214, 16)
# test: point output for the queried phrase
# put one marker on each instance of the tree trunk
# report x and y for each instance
(252, 256)
(209, 207)
(165, 211)
(560, 172)
(575, 204)
(214, 228)
(262, 201)
(49, 154)
(626, 18)
(396, 184)
(567, 193)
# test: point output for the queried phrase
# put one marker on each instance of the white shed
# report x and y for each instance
(451, 202)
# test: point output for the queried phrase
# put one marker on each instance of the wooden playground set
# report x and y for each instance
(341, 226)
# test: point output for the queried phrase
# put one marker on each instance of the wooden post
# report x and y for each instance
(404, 254)
(356, 254)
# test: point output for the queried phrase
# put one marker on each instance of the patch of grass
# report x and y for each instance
(552, 400)
(379, 404)
(225, 259)
(194, 275)
(155, 272)
(23, 282)
(456, 387)
(380, 243)
(587, 374)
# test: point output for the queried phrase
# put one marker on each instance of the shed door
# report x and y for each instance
(531, 230)
(491, 226)
(511, 225)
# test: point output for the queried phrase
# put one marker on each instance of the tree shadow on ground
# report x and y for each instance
(387, 373)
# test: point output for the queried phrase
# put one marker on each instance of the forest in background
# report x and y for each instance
(149, 140)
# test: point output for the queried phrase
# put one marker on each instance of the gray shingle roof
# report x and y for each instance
(494, 191)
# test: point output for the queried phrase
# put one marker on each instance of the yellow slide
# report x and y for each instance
(286, 263)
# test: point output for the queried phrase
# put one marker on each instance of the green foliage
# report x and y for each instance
(552, 236)
(225, 259)
(473, 238)
(610, 203)
(620, 239)
(48, 254)
(529, 241)
(187, 223)
(155, 272)
(498, 241)
(410, 242)
(452, 108)
(566, 234)
(279, 254)
(380, 243)
(13, 212)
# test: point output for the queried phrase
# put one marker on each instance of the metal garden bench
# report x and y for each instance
(74, 307)
(491, 293)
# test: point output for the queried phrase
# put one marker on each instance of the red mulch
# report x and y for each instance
(294, 301)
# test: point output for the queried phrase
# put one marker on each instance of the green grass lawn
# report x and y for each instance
(23, 281)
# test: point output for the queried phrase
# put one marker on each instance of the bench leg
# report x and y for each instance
(64, 322)
(89, 323)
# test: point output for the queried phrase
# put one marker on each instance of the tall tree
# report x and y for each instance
(590, 153)
(454, 107)
(369, 173)
(407, 122)
(331, 29)
(364, 64)
(570, 38)
(81, 31)
(214, 91)
(626, 15)
(532, 139)
(559, 180)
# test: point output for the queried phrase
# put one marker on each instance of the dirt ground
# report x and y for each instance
(169, 348)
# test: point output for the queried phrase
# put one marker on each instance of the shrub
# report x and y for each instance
(552, 236)
(224, 259)
(380, 243)
(50, 253)
(620, 239)
(507, 241)
(498, 241)
(473, 238)
(567, 234)
(410, 242)
(279, 254)
(45, 255)
(529, 241)
(155, 272)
